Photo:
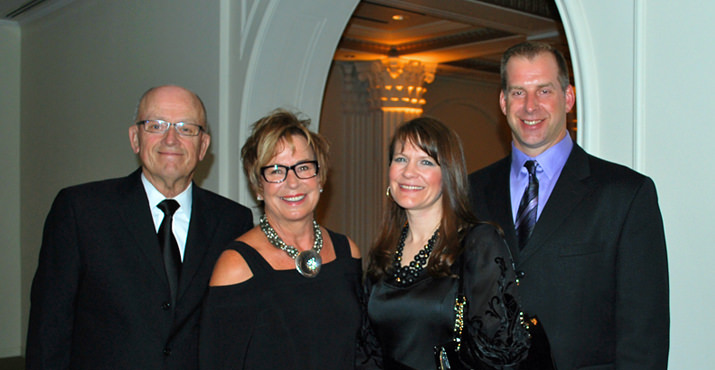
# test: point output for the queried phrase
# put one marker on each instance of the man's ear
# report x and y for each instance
(205, 142)
(502, 102)
(570, 95)
(134, 138)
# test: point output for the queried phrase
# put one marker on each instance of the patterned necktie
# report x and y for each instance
(169, 246)
(526, 216)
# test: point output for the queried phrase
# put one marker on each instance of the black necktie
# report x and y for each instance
(526, 216)
(169, 246)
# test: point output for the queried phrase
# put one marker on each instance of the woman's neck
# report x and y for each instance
(422, 225)
(299, 234)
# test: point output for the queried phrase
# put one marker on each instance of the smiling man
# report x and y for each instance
(586, 235)
(119, 283)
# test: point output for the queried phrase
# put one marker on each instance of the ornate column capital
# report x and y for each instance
(396, 82)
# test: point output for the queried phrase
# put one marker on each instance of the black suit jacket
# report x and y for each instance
(595, 268)
(100, 296)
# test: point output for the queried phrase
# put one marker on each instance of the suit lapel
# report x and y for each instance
(198, 240)
(498, 202)
(570, 188)
(134, 211)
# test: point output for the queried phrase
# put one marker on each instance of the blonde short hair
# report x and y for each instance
(266, 136)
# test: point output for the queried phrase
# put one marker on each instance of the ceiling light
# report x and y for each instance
(398, 17)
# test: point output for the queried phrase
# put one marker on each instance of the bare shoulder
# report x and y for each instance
(230, 267)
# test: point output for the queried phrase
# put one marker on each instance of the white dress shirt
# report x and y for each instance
(180, 222)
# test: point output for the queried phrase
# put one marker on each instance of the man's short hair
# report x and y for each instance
(529, 50)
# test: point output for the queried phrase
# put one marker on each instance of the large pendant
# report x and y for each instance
(308, 263)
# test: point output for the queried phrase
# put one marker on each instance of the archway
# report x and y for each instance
(254, 47)
(465, 94)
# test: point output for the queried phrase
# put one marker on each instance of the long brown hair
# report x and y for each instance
(443, 145)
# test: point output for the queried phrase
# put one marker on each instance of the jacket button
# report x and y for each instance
(166, 306)
(520, 274)
(167, 351)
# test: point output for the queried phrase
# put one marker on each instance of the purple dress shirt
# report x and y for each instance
(550, 164)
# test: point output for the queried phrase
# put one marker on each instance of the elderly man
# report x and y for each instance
(125, 263)
(586, 235)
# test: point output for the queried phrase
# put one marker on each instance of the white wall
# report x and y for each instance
(643, 74)
(677, 134)
(277, 54)
(10, 271)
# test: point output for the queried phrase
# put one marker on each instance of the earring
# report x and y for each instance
(259, 198)
(387, 192)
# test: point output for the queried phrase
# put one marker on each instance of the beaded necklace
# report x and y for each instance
(406, 275)
(307, 262)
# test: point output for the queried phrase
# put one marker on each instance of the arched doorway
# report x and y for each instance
(255, 47)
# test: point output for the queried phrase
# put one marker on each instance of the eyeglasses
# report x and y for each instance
(157, 126)
(277, 173)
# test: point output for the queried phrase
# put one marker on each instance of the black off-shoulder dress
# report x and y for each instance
(279, 319)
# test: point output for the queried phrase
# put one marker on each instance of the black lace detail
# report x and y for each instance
(509, 343)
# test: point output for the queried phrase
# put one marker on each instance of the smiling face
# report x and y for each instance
(169, 159)
(415, 179)
(534, 103)
(293, 199)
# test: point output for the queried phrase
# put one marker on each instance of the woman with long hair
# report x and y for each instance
(429, 238)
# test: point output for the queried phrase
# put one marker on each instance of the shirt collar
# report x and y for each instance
(551, 161)
(155, 196)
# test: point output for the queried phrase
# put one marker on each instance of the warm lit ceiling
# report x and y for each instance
(462, 35)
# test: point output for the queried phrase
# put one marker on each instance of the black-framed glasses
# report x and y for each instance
(276, 173)
(158, 126)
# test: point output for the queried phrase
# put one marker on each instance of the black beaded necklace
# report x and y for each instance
(406, 275)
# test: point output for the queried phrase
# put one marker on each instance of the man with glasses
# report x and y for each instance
(125, 263)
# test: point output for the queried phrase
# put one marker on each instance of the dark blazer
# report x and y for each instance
(595, 268)
(100, 296)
